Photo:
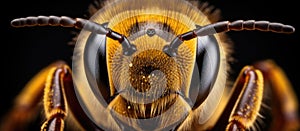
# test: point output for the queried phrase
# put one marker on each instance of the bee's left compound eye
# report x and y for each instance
(206, 70)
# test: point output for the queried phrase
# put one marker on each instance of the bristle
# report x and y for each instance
(95, 6)
(213, 13)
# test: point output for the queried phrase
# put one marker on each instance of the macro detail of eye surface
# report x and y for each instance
(156, 65)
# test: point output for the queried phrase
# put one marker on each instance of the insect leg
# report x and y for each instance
(55, 105)
(27, 104)
(60, 101)
(284, 102)
(243, 106)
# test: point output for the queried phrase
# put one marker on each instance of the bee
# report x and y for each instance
(155, 65)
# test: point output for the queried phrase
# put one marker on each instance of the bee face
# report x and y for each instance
(150, 86)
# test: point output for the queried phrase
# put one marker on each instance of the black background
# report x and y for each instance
(24, 51)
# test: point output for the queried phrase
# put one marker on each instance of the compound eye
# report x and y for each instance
(206, 68)
(94, 58)
(208, 78)
(90, 78)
